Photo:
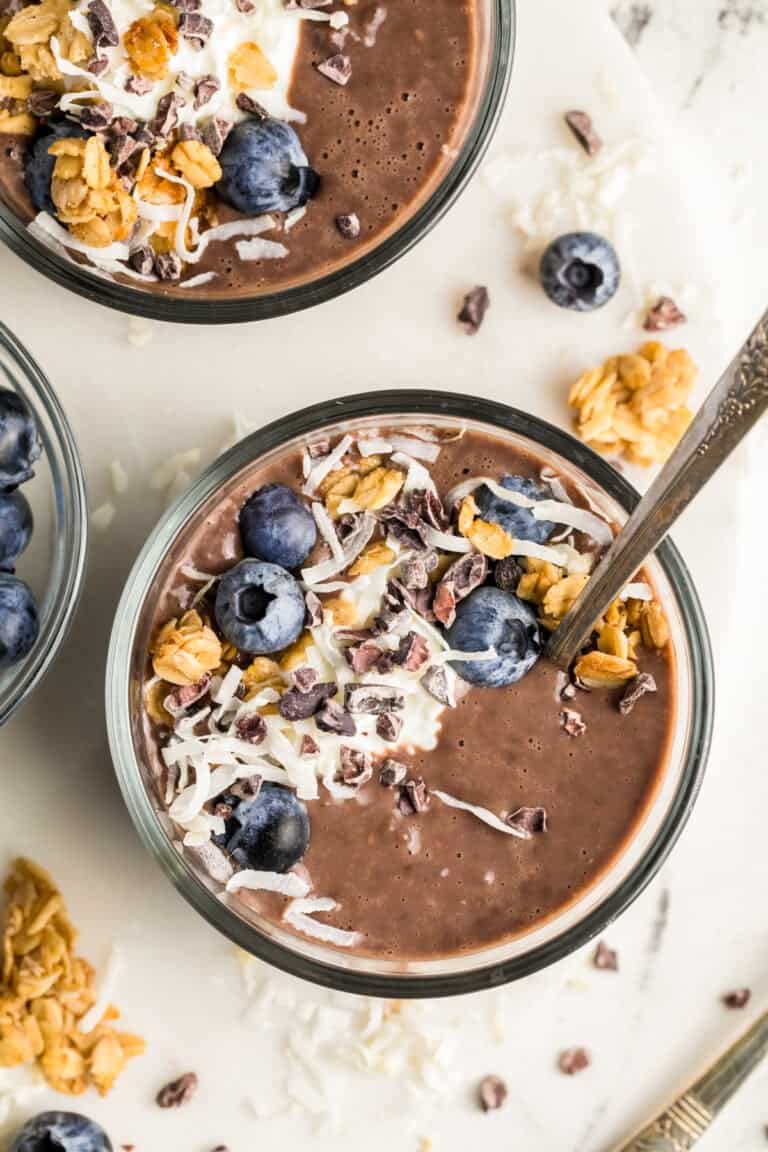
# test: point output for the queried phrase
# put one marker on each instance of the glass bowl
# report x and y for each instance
(54, 563)
(657, 828)
(497, 22)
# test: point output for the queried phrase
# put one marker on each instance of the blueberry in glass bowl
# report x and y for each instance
(42, 524)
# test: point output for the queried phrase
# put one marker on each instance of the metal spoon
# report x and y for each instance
(736, 402)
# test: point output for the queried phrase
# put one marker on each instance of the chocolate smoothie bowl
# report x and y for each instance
(333, 719)
(227, 160)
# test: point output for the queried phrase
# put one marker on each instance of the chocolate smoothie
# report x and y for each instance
(360, 782)
(320, 140)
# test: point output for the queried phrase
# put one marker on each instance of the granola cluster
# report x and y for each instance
(635, 406)
(46, 990)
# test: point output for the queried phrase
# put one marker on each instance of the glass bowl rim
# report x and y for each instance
(125, 298)
(307, 420)
(68, 481)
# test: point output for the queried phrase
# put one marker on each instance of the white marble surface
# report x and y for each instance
(652, 1024)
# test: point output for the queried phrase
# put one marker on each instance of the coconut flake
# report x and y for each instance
(325, 465)
(330, 586)
(447, 541)
(157, 213)
(563, 555)
(467, 487)
(578, 518)
(299, 914)
(638, 590)
(418, 449)
(259, 249)
(301, 771)
(198, 281)
(46, 223)
(287, 884)
(483, 814)
(417, 478)
(485, 656)
(187, 805)
(327, 531)
(225, 692)
(293, 217)
(352, 548)
(373, 446)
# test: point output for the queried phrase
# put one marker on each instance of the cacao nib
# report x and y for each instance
(606, 958)
(429, 507)
(142, 260)
(412, 652)
(439, 683)
(250, 106)
(635, 690)
(388, 727)
(348, 225)
(491, 1093)
(365, 657)
(573, 1060)
(580, 123)
(102, 25)
(178, 1092)
(571, 722)
(168, 266)
(739, 998)
(406, 527)
(304, 678)
(195, 27)
(137, 85)
(413, 797)
(356, 767)
(373, 699)
(532, 821)
(252, 728)
(180, 699)
(167, 116)
(337, 69)
(215, 133)
(314, 605)
(333, 718)
(300, 704)
(664, 314)
(392, 773)
(97, 117)
(473, 310)
(309, 747)
(42, 102)
(205, 88)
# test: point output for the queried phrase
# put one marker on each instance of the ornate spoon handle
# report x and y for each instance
(736, 402)
(679, 1126)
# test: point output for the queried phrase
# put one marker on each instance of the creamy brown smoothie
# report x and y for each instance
(245, 145)
(362, 784)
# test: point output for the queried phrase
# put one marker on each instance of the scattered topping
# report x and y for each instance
(580, 271)
(337, 69)
(286, 884)
(491, 1093)
(184, 651)
(635, 690)
(599, 670)
(392, 773)
(300, 704)
(356, 767)
(606, 958)
(413, 797)
(473, 310)
(248, 67)
(348, 225)
(150, 42)
(439, 682)
(412, 651)
(178, 1092)
(634, 406)
(571, 722)
(196, 163)
(299, 914)
(528, 821)
(581, 126)
(493, 821)
(375, 556)
(739, 998)
(663, 315)
(573, 1060)
(375, 699)
(333, 718)
(460, 579)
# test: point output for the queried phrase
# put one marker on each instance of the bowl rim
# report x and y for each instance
(154, 306)
(74, 509)
(418, 402)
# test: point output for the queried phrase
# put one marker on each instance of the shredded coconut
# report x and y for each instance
(638, 590)
(260, 249)
(325, 465)
(299, 914)
(353, 546)
(448, 541)
(327, 530)
(481, 813)
(288, 884)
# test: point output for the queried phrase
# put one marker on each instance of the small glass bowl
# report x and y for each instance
(657, 828)
(497, 22)
(54, 563)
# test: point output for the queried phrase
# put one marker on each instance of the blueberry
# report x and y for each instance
(259, 607)
(18, 620)
(38, 168)
(61, 1132)
(15, 526)
(276, 526)
(491, 617)
(580, 270)
(518, 522)
(264, 168)
(273, 830)
(19, 440)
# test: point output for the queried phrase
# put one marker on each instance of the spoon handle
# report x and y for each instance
(679, 1126)
(735, 403)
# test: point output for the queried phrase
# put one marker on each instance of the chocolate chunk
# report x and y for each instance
(463, 576)
(414, 574)
(97, 117)
(189, 132)
(473, 310)
(215, 132)
(739, 998)
(180, 699)
(178, 1092)
(356, 767)
(636, 689)
(103, 27)
(138, 85)
(571, 722)
(507, 573)
(406, 527)
(314, 606)
(337, 68)
(412, 652)
(42, 102)
(167, 116)
(413, 797)
(252, 728)
(531, 821)
(168, 266)
(583, 129)
(333, 718)
(304, 678)
(388, 727)
(392, 773)
(365, 657)
(300, 704)
(429, 507)
(491, 1093)
(439, 683)
(372, 699)
(606, 958)
(663, 315)
(250, 106)
(142, 260)
(348, 225)
(195, 27)
(309, 747)
(573, 1060)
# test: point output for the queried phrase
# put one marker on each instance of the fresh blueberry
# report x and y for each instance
(264, 168)
(580, 270)
(518, 522)
(273, 830)
(19, 440)
(259, 607)
(276, 526)
(61, 1132)
(38, 169)
(15, 526)
(18, 620)
(490, 617)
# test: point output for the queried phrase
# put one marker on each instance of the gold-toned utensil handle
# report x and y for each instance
(679, 1126)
